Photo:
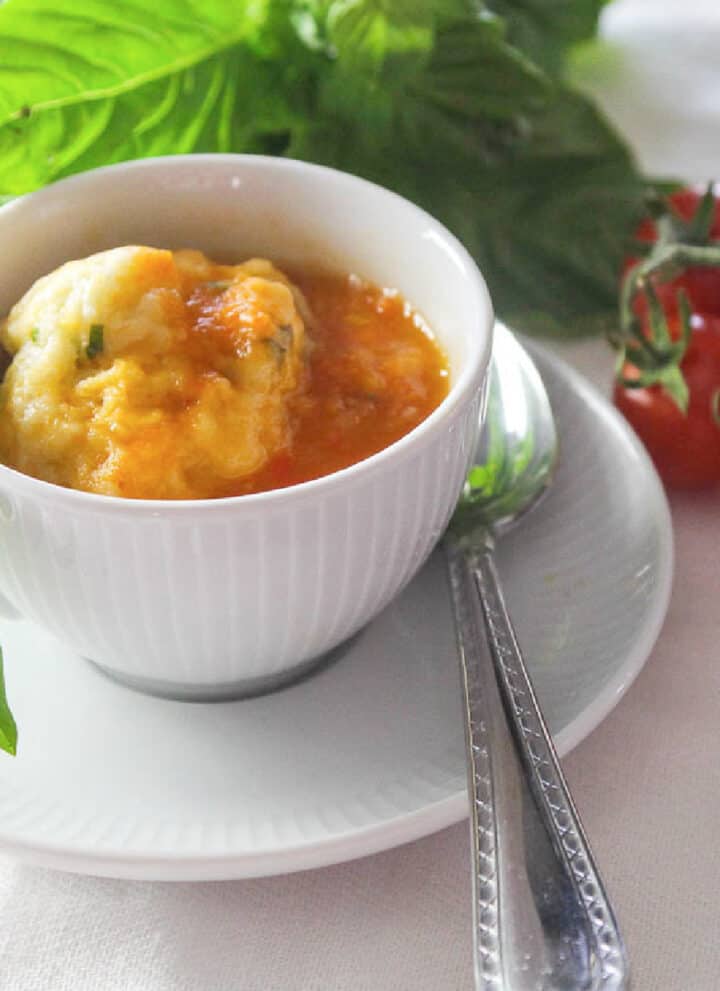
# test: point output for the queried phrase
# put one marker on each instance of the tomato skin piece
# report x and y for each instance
(685, 448)
(682, 450)
(702, 286)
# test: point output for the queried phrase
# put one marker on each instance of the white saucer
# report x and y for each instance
(366, 752)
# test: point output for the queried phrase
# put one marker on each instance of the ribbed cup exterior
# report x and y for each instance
(228, 594)
(208, 598)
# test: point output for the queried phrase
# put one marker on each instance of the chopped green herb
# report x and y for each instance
(280, 342)
(219, 286)
(95, 341)
(8, 728)
(35, 334)
(284, 336)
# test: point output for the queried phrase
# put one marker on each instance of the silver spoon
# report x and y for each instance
(541, 918)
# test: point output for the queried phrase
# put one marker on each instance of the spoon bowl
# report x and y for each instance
(518, 447)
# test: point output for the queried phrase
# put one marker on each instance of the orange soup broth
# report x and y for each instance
(374, 373)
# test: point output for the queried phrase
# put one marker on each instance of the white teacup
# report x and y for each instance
(212, 598)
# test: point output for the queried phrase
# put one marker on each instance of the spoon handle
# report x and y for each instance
(542, 919)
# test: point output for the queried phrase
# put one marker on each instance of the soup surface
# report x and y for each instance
(374, 372)
(154, 374)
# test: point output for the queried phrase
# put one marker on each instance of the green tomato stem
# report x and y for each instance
(658, 358)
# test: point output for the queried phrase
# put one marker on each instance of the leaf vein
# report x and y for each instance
(127, 85)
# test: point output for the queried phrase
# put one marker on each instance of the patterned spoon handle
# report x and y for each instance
(541, 918)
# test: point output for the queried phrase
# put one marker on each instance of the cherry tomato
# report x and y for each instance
(702, 285)
(685, 203)
(684, 447)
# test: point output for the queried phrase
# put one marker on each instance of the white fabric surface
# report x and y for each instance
(647, 782)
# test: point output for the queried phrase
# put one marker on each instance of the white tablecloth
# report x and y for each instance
(647, 782)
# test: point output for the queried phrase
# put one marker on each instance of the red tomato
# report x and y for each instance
(702, 285)
(684, 447)
(685, 203)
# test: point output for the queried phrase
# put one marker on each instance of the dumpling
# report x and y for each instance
(144, 373)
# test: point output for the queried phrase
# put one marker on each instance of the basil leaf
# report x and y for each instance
(406, 126)
(525, 171)
(556, 221)
(61, 53)
(363, 34)
(545, 29)
(87, 85)
(464, 67)
(8, 729)
(451, 105)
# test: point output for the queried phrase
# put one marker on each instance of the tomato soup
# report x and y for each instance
(145, 373)
(374, 373)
